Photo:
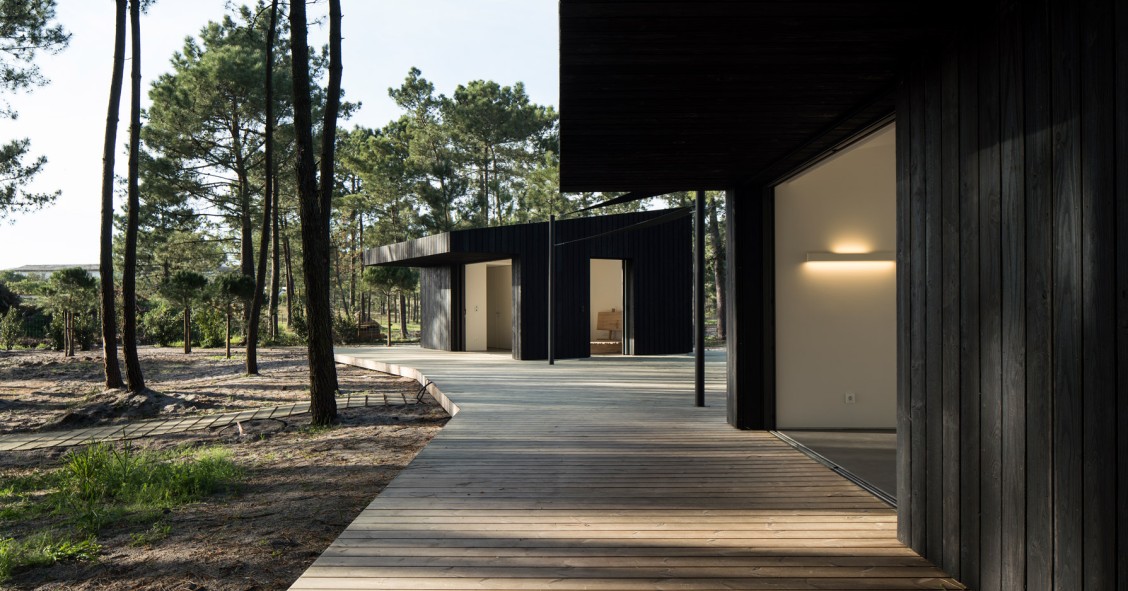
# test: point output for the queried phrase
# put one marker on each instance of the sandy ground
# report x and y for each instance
(42, 390)
(302, 486)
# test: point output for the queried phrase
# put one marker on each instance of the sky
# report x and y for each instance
(451, 41)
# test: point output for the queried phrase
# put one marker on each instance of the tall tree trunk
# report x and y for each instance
(289, 281)
(718, 266)
(275, 268)
(66, 334)
(187, 329)
(340, 286)
(352, 265)
(106, 255)
(315, 208)
(227, 335)
(403, 315)
(246, 233)
(268, 193)
(133, 375)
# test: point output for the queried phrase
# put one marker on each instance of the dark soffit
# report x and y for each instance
(676, 95)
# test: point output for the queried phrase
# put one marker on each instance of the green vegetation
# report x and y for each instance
(64, 510)
(11, 327)
(43, 549)
(29, 29)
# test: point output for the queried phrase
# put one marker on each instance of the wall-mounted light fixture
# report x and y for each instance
(844, 257)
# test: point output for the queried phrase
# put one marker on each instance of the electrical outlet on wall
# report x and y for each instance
(851, 398)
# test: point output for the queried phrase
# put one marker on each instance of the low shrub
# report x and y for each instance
(99, 486)
(43, 549)
(100, 483)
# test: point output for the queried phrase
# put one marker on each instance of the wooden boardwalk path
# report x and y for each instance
(600, 474)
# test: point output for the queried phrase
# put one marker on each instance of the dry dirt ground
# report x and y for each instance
(42, 390)
(302, 486)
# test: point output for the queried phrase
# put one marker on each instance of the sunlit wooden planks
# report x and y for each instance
(560, 478)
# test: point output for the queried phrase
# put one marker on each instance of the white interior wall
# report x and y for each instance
(836, 321)
(606, 292)
(499, 305)
(477, 327)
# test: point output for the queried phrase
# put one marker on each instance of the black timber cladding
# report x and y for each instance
(712, 93)
(1013, 281)
(1012, 221)
(659, 257)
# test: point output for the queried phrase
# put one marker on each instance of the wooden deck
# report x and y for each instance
(600, 474)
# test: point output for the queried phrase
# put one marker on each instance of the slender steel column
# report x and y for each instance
(551, 286)
(699, 299)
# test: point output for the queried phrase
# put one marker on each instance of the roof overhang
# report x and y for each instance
(429, 251)
(706, 94)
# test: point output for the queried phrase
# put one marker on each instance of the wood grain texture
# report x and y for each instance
(1012, 254)
(918, 289)
(600, 474)
(933, 312)
(969, 315)
(1068, 442)
(990, 317)
(950, 311)
(1038, 180)
(1098, 276)
(906, 453)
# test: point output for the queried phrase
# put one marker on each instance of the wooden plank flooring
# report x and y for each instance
(600, 474)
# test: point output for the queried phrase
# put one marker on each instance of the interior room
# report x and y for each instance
(836, 311)
(606, 306)
(489, 306)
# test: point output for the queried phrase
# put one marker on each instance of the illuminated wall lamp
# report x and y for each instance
(847, 257)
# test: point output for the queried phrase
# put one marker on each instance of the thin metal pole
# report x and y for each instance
(551, 282)
(699, 299)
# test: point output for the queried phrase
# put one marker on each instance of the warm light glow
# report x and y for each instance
(851, 247)
(850, 266)
(840, 257)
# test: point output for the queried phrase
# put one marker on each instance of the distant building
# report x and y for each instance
(622, 286)
(45, 271)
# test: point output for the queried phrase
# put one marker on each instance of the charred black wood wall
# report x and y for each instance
(750, 342)
(660, 259)
(435, 307)
(1013, 300)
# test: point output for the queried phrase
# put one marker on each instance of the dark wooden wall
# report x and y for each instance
(750, 342)
(1013, 300)
(435, 308)
(661, 261)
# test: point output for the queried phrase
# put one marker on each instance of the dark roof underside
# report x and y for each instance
(675, 95)
(428, 251)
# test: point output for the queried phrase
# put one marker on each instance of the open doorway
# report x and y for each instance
(488, 307)
(606, 307)
(836, 312)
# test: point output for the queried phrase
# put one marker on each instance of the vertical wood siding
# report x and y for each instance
(435, 308)
(750, 342)
(1013, 300)
(660, 260)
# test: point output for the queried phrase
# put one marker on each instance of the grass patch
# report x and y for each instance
(101, 485)
(156, 532)
(43, 549)
(314, 430)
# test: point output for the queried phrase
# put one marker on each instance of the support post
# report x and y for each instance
(551, 286)
(699, 299)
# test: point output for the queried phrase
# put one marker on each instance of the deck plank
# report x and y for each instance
(600, 474)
